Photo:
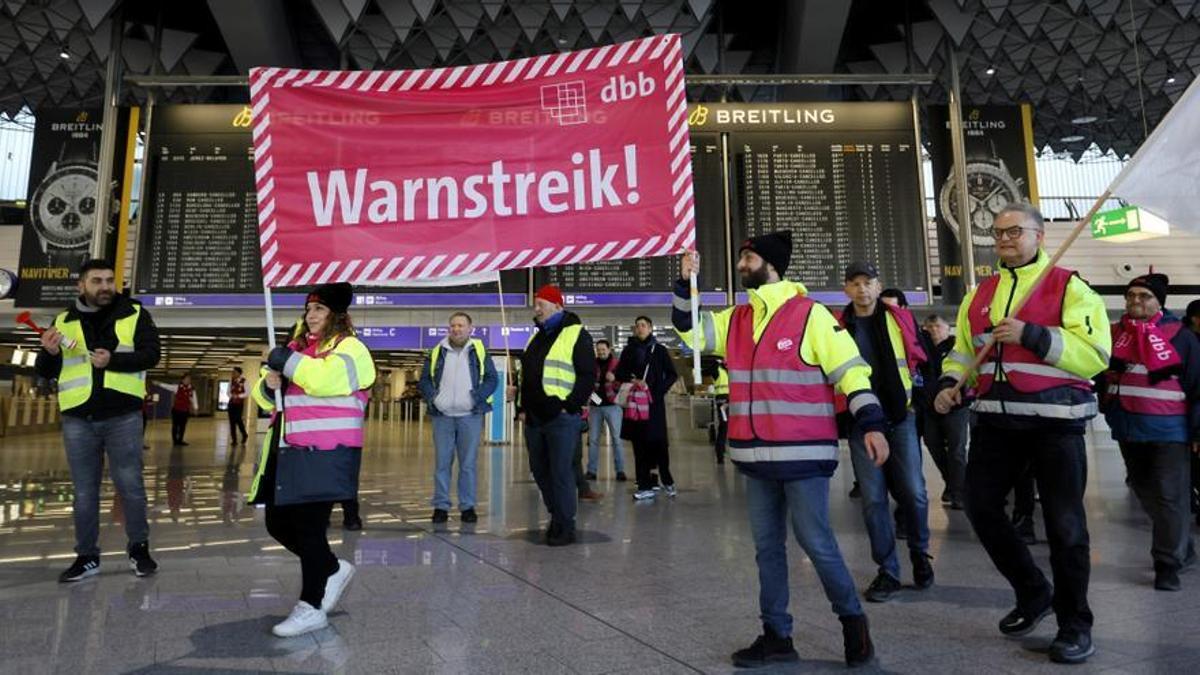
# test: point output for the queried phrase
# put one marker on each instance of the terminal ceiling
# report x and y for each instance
(1099, 71)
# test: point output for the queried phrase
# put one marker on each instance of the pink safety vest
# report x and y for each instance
(323, 422)
(1138, 395)
(1022, 368)
(774, 395)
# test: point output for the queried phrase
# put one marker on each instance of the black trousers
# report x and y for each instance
(646, 456)
(946, 437)
(1059, 465)
(301, 529)
(1158, 474)
(237, 421)
(722, 403)
(179, 420)
(1024, 494)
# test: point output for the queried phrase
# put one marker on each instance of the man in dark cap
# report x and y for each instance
(887, 339)
(786, 358)
(1151, 400)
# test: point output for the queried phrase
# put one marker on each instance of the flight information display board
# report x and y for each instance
(842, 177)
(648, 281)
(199, 228)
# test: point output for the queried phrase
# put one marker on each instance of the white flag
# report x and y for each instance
(1164, 175)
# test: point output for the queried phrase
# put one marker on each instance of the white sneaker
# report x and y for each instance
(642, 495)
(671, 491)
(304, 619)
(336, 585)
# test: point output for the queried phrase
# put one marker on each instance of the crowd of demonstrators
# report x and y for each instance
(603, 411)
(887, 339)
(557, 377)
(312, 454)
(786, 357)
(647, 366)
(99, 350)
(1034, 396)
(457, 381)
(183, 405)
(1150, 397)
(237, 406)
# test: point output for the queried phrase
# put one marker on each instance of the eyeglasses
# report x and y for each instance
(1139, 297)
(1012, 233)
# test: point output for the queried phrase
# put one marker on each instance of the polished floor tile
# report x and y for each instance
(662, 587)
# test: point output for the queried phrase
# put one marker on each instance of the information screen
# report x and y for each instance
(843, 178)
(648, 281)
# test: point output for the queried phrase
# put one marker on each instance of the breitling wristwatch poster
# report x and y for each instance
(61, 218)
(998, 141)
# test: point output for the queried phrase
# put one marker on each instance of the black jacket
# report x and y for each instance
(931, 372)
(537, 406)
(99, 331)
(659, 377)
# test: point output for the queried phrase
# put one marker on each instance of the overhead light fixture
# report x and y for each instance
(1071, 139)
(990, 71)
(1171, 80)
(64, 54)
(1086, 119)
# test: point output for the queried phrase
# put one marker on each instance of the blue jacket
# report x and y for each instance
(481, 394)
(1134, 428)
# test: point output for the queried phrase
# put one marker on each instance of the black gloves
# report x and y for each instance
(278, 358)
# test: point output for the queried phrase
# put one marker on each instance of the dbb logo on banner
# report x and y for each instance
(390, 176)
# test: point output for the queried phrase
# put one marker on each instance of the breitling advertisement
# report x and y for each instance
(1000, 170)
(62, 214)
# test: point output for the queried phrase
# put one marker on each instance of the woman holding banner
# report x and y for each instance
(312, 455)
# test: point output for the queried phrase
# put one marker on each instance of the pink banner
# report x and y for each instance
(384, 176)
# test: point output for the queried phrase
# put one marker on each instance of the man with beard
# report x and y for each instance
(786, 356)
(99, 350)
(557, 375)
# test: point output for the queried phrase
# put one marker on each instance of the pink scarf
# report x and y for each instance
(1142, 342)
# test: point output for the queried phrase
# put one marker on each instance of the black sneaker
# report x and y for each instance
(84, 566)
(469, 516)
(621, 477)
(561, 538)
(440, 516)
(1166, 578)
(855, 492)
(856, 638)
(590, 475)
(140, 561)
(922, 570)
(1024, 525)
(882, 589)
(946, 499)
(352, 524)
(1018, 623)
(1068, 649)
(768, 648)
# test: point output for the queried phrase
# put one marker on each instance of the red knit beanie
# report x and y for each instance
(550, 293)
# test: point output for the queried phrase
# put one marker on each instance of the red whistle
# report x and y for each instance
(26, 319)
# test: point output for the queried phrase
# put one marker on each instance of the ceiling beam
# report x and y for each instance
(256, 33)
(809, 42)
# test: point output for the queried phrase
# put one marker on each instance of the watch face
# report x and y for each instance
(7, 282)
(989, 189)
(64, 206)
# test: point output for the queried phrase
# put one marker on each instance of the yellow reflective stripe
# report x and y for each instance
(1052, 410)
(773, 407)
(776, 376)
(124, 349)
(74, 383)
(784, 453)
(961, 358)
(1057, 345)
(1147, 392)
(681, 304)
(860, 401)
(708, 327)
(351, 370)
(838, 373)
(74, 361)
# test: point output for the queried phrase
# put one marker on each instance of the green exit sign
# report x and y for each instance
(1128, 223)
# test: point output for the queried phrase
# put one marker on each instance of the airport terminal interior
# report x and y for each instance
(912, 145)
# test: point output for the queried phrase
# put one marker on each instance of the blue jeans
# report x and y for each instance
(551, 446)
(455, 437)
(86, 442)
(806, 501)
(902, 472)
(598, 416)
